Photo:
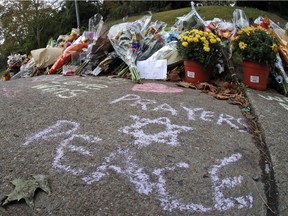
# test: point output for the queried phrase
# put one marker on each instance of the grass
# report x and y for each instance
(207, 13)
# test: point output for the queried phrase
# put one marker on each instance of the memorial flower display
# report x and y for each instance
(255, 44)
(197, 45)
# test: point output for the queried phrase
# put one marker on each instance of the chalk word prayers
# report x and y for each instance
(193, 114)
(147, 181)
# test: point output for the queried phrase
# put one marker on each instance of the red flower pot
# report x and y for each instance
(194, 72)
(255, 75)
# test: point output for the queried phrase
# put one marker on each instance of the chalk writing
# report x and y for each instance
(124, 162)
(222, 203)
(142, 139)
(67, 143)
(9, 92)
(193, 114)
(46, 78)
(63, 89)
(281, 101)
(62, 127)
(168, 202)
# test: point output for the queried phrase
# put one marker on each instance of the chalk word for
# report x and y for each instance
(124, 162)
(282, 101)
(64, 90)
(193, 114)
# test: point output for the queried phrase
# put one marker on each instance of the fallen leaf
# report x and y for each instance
(185, 85)
(206, 86)
(25, 189)
(174, 74)
(218, 96)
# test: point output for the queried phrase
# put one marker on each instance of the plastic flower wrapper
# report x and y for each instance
(240, 19)
(127, 40)
(154, 39)
(192, 20)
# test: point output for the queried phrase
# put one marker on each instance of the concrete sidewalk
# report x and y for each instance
(110, 147)
(271, 109)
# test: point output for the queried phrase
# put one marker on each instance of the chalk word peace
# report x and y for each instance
(282, 101)
(64, 89)
(193, 113)
(124, 162)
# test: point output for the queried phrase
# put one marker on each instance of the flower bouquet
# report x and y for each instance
(127, 40)
(15, 60)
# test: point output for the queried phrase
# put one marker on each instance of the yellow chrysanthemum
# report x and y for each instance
(213, 40)
(195, 39)
(274, 47)
(185, 44)
(190, 39)
(206, 49)
(203, 39)
(242, 45)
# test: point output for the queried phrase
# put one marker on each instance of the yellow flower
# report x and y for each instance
(212, 40)
(203, 39)
(274, 47)
(206, 48)
(184, 44)
(195, 39)
(190, 39)
(206, 43)
(242, 45)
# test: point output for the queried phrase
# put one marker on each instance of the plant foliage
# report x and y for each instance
(202, 47)
(255, 44)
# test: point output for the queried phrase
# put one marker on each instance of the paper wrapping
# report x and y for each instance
(45, 57)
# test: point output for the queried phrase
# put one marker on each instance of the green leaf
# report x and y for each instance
(25, 189)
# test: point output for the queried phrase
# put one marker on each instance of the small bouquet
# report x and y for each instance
(15, 60)
(153, 40)
(127, 40)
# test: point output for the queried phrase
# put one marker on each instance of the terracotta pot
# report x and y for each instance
(194, 72)
(255, 75)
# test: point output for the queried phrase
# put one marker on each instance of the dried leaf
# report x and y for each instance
(25, 189)
(186, 85)
(218, 96)
(206, 86)
(174, 75)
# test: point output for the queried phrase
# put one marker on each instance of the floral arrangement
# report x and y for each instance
(255, 44)
(134, 41)
(15, 60)
(202, 47)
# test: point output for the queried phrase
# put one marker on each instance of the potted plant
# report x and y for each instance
(199, 50)
(258, 49)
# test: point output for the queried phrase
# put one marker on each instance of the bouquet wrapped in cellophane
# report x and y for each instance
(136, 40)
(127, 41)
